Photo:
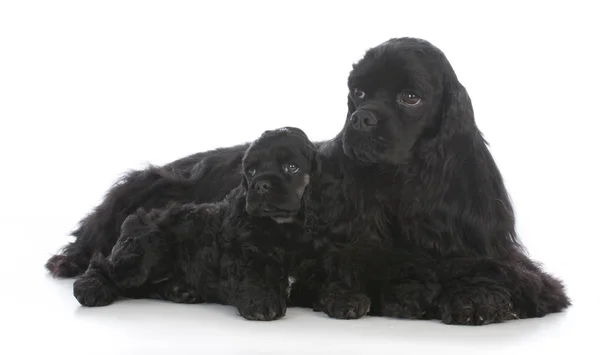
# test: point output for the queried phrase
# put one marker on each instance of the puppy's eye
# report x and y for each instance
(408, 98)
(359, 94)
(290, 168)
(251, 171)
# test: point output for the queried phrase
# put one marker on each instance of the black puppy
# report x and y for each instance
(237, 251)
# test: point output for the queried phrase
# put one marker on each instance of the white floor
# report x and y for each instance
(91, 89)
(39, 313)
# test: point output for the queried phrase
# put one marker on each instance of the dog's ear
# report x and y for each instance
(315, 161)
(316, 165)
(457, 110)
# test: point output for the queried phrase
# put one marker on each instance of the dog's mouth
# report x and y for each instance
(364, 148)
(360, 151)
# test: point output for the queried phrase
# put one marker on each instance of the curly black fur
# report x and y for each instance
(410, 175)
(238, 251)
(414, 218)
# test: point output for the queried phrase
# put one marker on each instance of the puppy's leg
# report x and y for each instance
(141, 254)
(128, 266)
(95, 288)
(175, 290)
(100, 229)
(260, 283)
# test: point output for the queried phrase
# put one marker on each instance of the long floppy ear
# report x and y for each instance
(309, 198)
(244, 183)
(457, 110)
(475, 198)
(351, 108)
(315, 161)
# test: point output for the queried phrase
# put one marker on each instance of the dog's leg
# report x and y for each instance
(343, 294)
(341, 302)
(479, 291)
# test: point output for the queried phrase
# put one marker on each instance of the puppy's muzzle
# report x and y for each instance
(262, 187)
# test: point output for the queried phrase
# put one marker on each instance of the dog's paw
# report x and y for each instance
(93, 290)
(411, 300)
(63, 266)
(344, 304)
(476, 306)
(261, 305)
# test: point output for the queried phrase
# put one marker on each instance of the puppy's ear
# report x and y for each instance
(244, 183)
(351, 107)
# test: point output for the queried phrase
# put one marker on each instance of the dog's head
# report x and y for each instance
(401, 93)
(277, 170)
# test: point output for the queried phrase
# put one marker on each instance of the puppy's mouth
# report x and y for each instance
(279, 215)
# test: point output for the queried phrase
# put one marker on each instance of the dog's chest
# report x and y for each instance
(359, 217)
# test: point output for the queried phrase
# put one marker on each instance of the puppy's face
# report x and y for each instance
(277, 170)
(395, 92)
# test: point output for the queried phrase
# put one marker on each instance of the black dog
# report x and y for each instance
(410, 172)
(238, 251)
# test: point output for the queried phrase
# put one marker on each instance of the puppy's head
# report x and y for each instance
(398, 95)
(277, 169)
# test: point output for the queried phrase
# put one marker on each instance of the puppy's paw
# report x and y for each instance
(93, 290)
(411, 300)
(342, 304)
(476, 305)
(177, 292)
(261, 305)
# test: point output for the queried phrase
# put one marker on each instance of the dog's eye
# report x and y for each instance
(290, 168)
(408, 98)
(251, 171)
(358, 93)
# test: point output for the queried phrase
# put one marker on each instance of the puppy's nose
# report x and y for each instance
(363, 120)
(262, 186)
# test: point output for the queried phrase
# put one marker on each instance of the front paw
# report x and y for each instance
(410, 300)
(344, 304)
(261, 305)
(94, 290)
(478, 305)
(177, 291)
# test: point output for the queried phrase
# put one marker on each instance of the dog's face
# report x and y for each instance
(395, 95)
(277, 169)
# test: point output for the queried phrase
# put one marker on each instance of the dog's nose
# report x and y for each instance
(262, 186)
(363, 120)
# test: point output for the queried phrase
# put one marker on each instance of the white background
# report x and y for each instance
(89, 90)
